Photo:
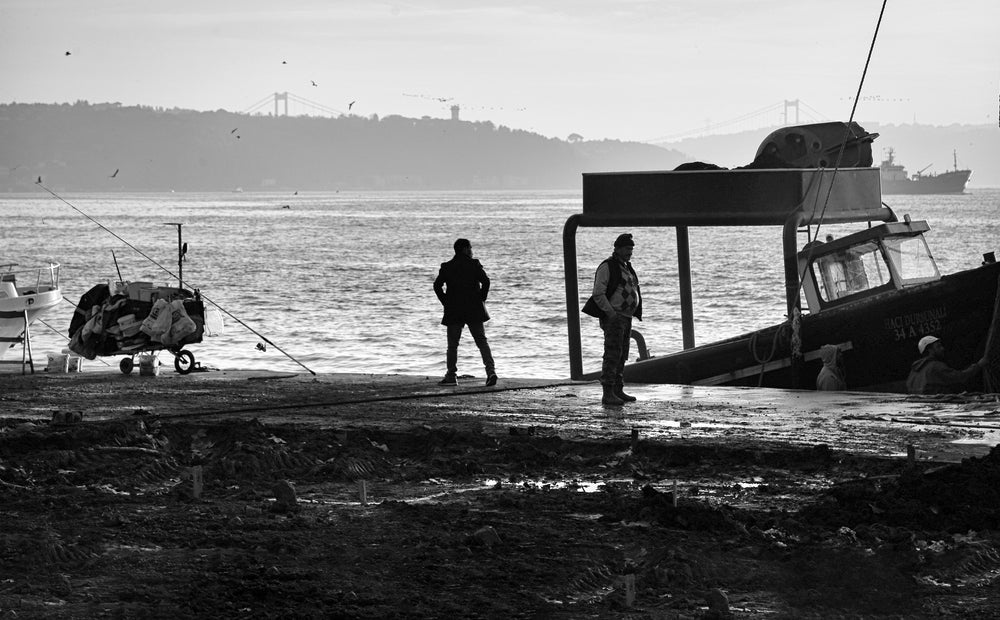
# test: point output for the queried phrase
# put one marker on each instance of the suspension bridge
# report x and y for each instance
(793, 112)
(289, 104)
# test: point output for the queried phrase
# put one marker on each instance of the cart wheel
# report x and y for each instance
(126, 365)
(184, 362)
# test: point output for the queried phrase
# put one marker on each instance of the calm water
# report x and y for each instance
(342, 281)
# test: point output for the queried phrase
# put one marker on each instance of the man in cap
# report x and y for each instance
(462, 286)
(930, 374)
(616, 294)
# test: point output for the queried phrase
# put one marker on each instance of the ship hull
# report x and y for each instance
(946, 183)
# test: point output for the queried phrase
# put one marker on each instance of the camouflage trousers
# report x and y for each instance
(617, 338)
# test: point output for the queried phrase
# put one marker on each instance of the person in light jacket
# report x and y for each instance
(831, 376)
(462, 287)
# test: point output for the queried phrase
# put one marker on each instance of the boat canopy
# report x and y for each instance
(786, 197)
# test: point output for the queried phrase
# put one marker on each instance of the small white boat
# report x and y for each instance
(25, 296)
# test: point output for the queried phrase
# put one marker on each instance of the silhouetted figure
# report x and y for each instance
(930, 374)
(462, 287)
(615, 301)
(39, 181)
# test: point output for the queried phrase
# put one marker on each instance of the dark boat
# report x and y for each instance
(873, 293)
(895, 179)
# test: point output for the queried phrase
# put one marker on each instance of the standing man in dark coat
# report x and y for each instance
(462, 286)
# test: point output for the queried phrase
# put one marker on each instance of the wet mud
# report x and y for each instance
(253, 497)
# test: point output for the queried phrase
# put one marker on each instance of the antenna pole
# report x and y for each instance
(180, 254)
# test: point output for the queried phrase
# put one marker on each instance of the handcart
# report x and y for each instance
(135, 318)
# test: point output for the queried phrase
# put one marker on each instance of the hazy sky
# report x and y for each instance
(627, 69)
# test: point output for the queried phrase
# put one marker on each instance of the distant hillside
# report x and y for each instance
(79, 147)
(916, 146)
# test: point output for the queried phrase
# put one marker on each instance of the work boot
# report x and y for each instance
(610, 398)
(620, 393)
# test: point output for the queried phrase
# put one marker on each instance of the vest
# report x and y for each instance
(614, 281)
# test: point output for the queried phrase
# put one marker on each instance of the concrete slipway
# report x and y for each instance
(942, 428)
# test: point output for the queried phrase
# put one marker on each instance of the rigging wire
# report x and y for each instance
(843, 145)
(172, 275)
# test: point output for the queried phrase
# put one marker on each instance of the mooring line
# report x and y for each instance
(171, 274)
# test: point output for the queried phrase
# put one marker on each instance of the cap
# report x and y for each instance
(925, 342)
(623, 240)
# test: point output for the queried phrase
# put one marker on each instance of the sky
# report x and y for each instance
(642, 70)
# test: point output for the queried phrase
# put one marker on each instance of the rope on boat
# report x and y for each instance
(171, 274)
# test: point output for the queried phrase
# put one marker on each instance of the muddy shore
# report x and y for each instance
(260, 495)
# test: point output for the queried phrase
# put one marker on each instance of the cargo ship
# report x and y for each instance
(895, 179)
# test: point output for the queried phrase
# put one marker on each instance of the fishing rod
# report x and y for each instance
(168, 272)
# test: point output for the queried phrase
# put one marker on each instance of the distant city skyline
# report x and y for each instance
(619, 69)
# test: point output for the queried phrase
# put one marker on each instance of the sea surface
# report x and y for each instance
(342, 282)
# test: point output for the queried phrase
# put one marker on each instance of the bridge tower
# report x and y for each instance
(792, 104)
(280, 97)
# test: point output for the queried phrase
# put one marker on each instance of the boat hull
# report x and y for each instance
(878, 337)
(12, 312)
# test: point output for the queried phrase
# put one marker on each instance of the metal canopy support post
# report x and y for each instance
(684, 281)
(572, 298)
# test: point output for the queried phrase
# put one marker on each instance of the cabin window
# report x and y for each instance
(912, 259)
(851, 271)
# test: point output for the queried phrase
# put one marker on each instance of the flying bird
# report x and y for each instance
(68, 54)
(234, 130)
(115, 173)
(296, 192)
(313, 83)
(350, 105)
(284, 62)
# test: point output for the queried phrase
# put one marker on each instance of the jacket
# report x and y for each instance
(932, 376)
(462, 287)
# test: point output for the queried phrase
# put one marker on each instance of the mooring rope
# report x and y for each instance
(171, 274)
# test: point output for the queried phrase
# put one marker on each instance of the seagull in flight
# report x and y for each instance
(313, 83)
(350, 105)
(68, 54)
(234, 130)
(115, 173)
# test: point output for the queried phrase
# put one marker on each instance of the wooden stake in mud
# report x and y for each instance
(197, 482)
(363, 491)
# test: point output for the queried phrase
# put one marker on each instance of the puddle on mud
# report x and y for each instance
(751, 493)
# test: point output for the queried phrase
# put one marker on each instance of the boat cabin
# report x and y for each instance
(889, 256)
